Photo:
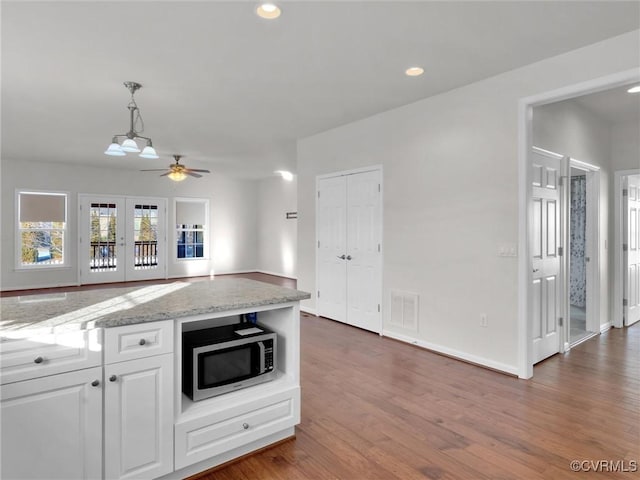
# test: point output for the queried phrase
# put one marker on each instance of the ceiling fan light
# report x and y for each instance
(129, 145)
(177, 176)
(149, 152)
(115, 150)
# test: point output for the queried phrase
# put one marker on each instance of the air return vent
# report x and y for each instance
(404, 310)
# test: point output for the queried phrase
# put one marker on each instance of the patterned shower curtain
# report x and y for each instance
(578, 267)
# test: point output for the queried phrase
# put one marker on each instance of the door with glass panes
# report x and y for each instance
(121, 238)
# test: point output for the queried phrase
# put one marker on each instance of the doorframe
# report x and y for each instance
(82, 198)
(525, 143)
(344, 173)
(618, 254)
(592, 235)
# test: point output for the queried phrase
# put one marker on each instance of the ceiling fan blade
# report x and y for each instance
(197, 175)
(154, 170)
(198, 170)
(165, 174)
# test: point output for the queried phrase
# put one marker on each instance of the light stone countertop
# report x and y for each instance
(117, 306)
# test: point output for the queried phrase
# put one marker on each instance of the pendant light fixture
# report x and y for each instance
(129, 144)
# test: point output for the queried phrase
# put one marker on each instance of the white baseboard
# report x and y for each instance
(267, 272)
(40, 286)
(485, 362)
(605, 327)
(310, 311)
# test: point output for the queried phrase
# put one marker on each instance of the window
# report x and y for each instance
(42, 226)
(191, 228)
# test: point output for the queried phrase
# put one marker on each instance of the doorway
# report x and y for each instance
(121, 238)
(582, 232)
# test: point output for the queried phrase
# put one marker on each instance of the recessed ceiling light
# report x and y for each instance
(635, 89)
(268, 11)
(414, 71)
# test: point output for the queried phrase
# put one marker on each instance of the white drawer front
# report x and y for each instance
(49, 354)
(138, 341)
(200, 438)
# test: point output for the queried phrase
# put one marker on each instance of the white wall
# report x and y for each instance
(625, 146)
(233, 215)
(450, 198)
(569, 129)
(277, 236)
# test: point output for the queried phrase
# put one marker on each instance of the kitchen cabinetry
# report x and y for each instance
(52, 427)
(138, 401)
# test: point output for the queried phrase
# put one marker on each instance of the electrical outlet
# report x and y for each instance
(483, 320)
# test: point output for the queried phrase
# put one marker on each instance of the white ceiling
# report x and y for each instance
(614, 106)
(233, 92)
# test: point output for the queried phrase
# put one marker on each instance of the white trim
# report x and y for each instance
(502, 367)
(525, 135)
(605, 327)
(310, 311)
(41, 286)
(174, 229)
(618, 257)
(352, 171)
(592, 236)
(17, 255)
(266, 272)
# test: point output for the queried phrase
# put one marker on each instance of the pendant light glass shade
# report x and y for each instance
(115, 150)
(177, 176)
(149, 152)
(130, 145)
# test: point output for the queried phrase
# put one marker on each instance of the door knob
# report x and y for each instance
(113, 378)
(535, 270)
(342, 257)
(95, 383)
(38, 360)
(245, 426)
(142, 341)
(348, 257)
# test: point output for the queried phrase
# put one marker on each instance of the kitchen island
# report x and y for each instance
(92, 380)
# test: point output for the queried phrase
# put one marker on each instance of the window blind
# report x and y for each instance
(37, 207)
(190, 213)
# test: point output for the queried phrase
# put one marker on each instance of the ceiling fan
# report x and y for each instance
(178, 172)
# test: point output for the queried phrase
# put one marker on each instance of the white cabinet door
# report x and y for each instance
(139, 418)
(52, 427)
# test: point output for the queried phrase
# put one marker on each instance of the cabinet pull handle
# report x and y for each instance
(349, 257)
(142, 341)
(95, 383)
(38, 360)
(245, 426)
(342, 257)
(113, 378)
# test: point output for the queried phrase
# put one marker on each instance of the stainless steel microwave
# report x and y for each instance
(223, 359)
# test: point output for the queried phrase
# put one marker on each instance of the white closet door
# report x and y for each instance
(632, 253)
(545, 260)
(349, 223)
(332, 248)
(363, 250)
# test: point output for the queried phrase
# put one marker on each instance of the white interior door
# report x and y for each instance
(545, 258)
(121, 239)
(332, 248)
(631, 300)
(349, 232)
(364, 228)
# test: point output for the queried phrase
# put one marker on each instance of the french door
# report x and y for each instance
(631, 251)
(349, 265)
(121, 238)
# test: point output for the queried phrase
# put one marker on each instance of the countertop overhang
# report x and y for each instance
(118, 306)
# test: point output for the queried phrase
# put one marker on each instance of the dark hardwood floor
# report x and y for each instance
(374, 408)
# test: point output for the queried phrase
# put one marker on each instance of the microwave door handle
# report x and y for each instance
(261, 347)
